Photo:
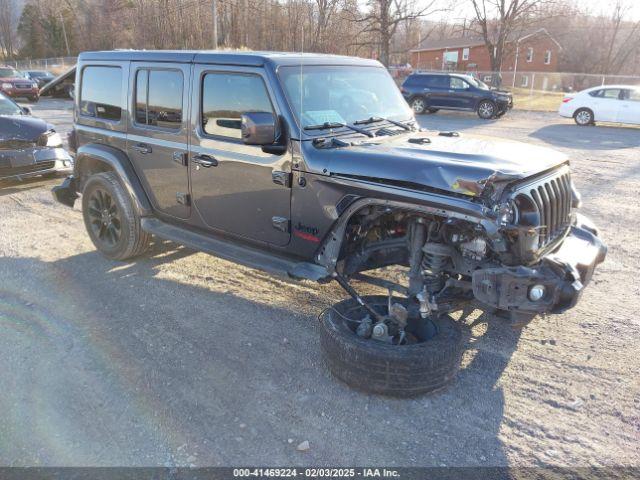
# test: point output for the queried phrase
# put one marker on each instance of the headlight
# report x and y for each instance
(50, 139)
(506, 214)
(7, 86)
(54, 140)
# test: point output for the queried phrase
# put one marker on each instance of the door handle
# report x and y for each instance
(142, 148)
(205, 161)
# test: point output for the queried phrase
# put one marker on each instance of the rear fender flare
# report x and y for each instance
(95, 158)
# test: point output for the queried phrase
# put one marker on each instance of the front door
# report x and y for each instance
(630, 107)
(157, 138)
(238, 189)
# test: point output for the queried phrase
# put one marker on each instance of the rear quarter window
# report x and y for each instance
(101, 92)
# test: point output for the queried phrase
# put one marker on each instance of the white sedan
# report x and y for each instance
(608, 103)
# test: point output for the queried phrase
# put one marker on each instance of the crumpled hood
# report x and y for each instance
(22, 128)
(464, 164)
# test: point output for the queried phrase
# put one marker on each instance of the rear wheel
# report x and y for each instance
(428, 361)
(111, 219)
(418, 105)
(487, 109)
(583, 117)
(34, 99)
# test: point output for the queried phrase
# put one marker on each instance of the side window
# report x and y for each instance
(101, 92)
(547, 57)
(465, 54)
(226, 96)
(611, 93)
(596, 93)
(458, 83)
(634, 95)
(159, 98)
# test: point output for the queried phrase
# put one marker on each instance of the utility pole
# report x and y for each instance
(64, 33)
(214, 14)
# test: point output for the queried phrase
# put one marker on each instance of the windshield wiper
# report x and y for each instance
(380, 119)
(328, 125)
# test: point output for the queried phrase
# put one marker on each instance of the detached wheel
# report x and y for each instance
(398, 370)
(487, 109)
(583, 117)
(418, 105)
(110, 218)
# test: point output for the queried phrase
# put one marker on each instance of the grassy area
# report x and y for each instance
(525, 99)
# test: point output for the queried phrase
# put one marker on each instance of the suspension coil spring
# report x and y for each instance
(435, 259)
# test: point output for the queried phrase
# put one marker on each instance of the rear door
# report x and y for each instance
(157, 140)
(238, 189)
(437, 91)
(606, 104)
(630, 106)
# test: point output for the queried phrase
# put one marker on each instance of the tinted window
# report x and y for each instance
(159, 98)
(458, 83)
(611, 93)
(414, 80)
(225, 96)
(438, 81)
(101, 95)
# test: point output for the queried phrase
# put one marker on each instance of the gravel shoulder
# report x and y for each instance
(181, 358)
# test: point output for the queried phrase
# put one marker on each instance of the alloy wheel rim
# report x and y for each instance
(583, 117)
(486, 109)
(104, 217)
(418, 105)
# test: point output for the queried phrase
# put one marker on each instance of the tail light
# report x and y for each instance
(567, 99)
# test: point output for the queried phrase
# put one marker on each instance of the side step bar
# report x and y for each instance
(247, 256)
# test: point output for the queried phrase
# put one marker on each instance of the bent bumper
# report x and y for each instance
(31, 162)
(66, 193)
(561, 275)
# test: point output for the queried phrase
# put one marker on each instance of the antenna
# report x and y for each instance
(301, 84)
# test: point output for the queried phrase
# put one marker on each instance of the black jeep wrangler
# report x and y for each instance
(313, 166)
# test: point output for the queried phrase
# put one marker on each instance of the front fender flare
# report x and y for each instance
(96, 157)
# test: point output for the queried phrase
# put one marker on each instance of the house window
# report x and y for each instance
(547, 57)
(530, 54)
(465, 54)
(524, 81)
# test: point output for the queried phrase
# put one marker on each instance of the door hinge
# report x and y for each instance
(180, 158)
(183, 198)
(280, 223)
(281, 178)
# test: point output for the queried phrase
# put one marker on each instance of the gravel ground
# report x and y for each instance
(180, 358)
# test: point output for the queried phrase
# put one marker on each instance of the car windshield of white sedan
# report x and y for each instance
(7, 107)
(335, 95)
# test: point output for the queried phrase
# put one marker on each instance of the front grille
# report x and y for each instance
(22, 170)
(553, 201)
(549, 199)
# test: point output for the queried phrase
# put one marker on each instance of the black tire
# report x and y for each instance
(418, 105)
(104, 199)
(432, 110)
(487, 109)
(376, 367)
(584, 117)
(34, 99)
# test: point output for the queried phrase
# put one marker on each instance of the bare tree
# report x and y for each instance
(497, 20)
(383, 17)
(8, 13)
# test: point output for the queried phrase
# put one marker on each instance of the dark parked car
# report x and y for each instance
(29, 146)
(14, 84)
(314, 167)
(41, 77)
(430, 92)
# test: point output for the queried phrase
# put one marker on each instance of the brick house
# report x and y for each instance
(535, 51)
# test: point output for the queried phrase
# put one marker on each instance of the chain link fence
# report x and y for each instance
(540, 91)
(56, 65)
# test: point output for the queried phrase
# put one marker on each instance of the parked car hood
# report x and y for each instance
(464, 164)
(21, 128)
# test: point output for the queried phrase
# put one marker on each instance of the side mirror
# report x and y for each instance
(26, 110)
(258, 128)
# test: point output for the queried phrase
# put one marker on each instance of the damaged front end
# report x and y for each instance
(524, 252)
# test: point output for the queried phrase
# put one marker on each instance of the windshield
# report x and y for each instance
(9, 107)
(342, 94)
(9, 72)
(477, 83)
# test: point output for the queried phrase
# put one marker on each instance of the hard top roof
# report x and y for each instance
(241, 58)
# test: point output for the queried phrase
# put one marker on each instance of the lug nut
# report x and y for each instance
(536, 293)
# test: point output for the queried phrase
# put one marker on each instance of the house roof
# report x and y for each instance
(462, 42)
